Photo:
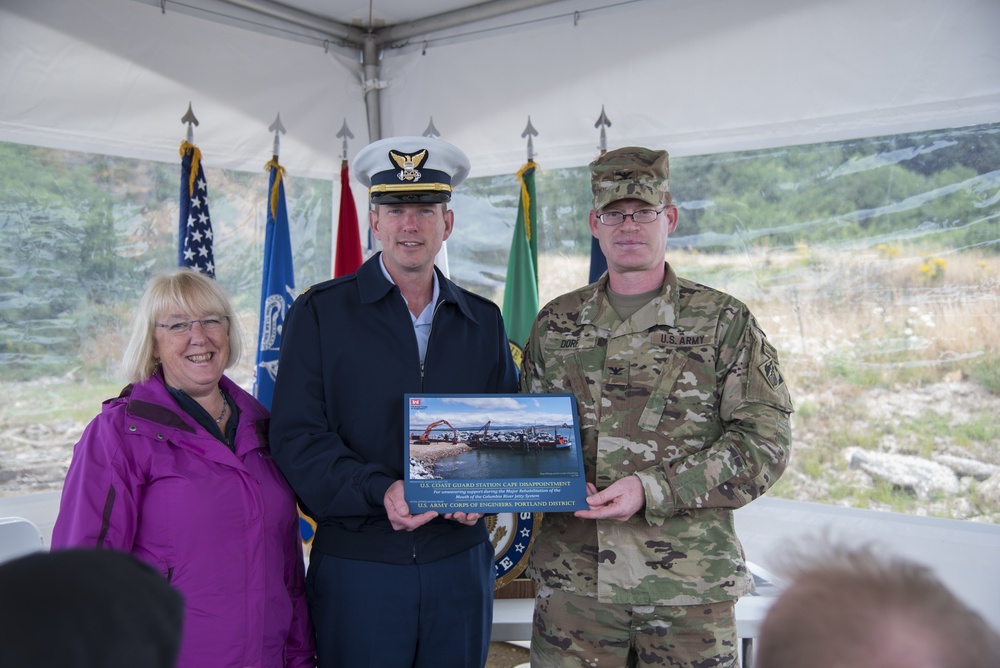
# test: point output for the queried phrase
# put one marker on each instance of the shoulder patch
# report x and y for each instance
(772, 373)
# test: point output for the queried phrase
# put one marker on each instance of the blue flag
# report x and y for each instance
(194, 239)
(598, 263)
(277, 286)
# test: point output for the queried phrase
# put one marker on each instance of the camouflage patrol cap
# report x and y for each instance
(630, 173)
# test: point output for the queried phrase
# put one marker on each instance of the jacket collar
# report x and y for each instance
(151, 401)
(596, 309)
(373, 286)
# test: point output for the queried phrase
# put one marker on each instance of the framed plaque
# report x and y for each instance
(493, 453)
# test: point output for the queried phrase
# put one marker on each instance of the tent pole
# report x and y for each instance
(372, 86)
(458, 17)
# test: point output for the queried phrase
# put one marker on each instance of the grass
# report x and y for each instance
(816, 462)
(981, 429)
(844, 366)
(922, 431)
(853, 327)
(54, 400)
(883, 495)
(986, 372)
(806, 409)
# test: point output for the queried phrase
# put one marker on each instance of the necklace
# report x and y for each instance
(225, 408)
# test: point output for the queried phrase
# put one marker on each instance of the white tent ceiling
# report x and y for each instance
(693, 76)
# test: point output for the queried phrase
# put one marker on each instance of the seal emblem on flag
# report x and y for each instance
(512, 535)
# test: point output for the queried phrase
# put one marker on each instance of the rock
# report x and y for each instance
(419, 471)
(920, 475)
(955, 376)
(964, 466)
(988, 492)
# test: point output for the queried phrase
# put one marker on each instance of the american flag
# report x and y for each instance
(194, 248)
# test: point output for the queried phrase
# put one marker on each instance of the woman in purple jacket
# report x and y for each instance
(177, 471)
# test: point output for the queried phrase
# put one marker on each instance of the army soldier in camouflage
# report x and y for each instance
(684, 416)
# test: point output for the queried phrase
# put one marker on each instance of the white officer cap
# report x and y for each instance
(398, 170)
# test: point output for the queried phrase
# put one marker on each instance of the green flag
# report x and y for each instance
(520, 296)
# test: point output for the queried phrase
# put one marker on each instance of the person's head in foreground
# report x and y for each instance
(852, 608)
(86, 608)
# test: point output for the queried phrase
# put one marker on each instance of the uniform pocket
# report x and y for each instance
(681, 380)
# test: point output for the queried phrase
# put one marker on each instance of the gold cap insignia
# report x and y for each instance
(409, 165)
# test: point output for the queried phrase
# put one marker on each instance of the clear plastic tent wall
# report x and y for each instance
(872, 264)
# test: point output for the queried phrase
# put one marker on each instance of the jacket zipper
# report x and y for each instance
(429, 333)
(426, 352)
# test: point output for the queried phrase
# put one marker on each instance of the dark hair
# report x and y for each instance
(85, 608)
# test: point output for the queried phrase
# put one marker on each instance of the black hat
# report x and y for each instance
(87, 608)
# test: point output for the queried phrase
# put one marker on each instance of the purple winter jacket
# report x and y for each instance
(221, 527)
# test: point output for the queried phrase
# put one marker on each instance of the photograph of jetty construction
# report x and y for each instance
(492, 437)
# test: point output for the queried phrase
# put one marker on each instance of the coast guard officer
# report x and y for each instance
(388, 588)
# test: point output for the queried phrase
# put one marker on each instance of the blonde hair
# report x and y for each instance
(188, 291)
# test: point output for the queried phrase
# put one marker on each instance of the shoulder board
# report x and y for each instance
(474, 295)
(317, 288)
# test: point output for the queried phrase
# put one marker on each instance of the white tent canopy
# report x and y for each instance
(693, 76)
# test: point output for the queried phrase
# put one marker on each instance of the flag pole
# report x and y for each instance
(195, 238)
(529, 132)
(602, 123)
(598, 263)
(441, 259)
(278, 129)
(520, 296)
(277, 291)
(347, 255)
(191, 121)
(277, 276)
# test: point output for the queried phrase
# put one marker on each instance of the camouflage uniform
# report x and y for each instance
(687, 395)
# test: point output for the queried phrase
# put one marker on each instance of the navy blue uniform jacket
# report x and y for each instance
(348, 355)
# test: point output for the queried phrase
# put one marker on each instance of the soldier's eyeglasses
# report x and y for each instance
(642, 216)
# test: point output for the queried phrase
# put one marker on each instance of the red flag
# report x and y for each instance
(348, 257)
